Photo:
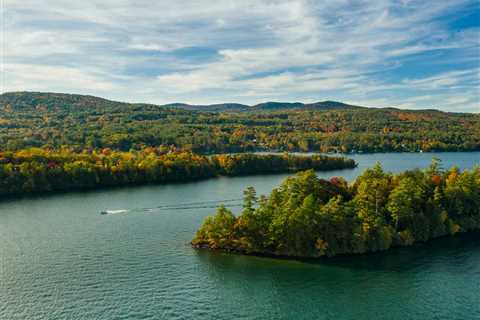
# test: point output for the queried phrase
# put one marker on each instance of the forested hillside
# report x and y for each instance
(51, 120)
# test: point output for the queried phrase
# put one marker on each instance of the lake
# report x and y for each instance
(61, 259)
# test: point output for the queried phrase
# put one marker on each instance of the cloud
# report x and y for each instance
(452, 79)
(245, 51)
(50, 78)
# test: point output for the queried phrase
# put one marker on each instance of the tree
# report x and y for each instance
(372, 189)
(217, 230)
(405, 201)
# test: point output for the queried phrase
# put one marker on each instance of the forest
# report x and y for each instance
(55, 121)
(38, 170)
(311, 217)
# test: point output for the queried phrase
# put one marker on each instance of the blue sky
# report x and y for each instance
(408, 54)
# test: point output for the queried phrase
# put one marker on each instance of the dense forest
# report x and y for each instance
(53, 121)
(37, 170)
(310, 217)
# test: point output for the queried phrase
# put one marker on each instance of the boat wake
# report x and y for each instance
(181, 206)
(114, 211)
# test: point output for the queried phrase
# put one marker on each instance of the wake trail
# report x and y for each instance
(181, 206)
(192, 203)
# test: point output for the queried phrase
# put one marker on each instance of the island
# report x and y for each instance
(311, 217)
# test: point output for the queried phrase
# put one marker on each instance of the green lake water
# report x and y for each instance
(61, 259)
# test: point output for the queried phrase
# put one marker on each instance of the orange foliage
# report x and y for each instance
(436, 179)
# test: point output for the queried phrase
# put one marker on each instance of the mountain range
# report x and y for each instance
(28, 99)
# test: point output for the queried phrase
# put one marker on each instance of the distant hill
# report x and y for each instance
(49, 100)
(55, 120)
(27, 100)
(220, 107)
(331, 105)
(298, 105)
(265, 106)
(271, 105)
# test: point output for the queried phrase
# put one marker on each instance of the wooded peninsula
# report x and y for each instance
(37, 170)
(311, 217)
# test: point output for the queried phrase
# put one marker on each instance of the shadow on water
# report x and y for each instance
(445, 250)
(89, 191)
(403, 259)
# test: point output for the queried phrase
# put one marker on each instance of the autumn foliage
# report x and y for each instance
(311, 217)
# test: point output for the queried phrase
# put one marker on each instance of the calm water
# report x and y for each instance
(60, 259)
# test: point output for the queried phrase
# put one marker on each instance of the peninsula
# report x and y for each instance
(311, 217)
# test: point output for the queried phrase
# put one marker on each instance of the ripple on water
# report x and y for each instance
(60, 259)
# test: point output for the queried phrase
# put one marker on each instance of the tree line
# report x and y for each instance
(311, 217)
(39, 170)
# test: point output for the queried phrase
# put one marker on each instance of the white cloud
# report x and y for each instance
(272, 49)
(55, 78)
(446, 80)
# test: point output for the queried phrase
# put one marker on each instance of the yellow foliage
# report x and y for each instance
(365, 227)
(443, 216)
(406, 237)
(452, 177)
(321, 245)
(455, 228)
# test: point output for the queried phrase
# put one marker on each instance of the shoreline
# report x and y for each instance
(100, 187)
(272, 255)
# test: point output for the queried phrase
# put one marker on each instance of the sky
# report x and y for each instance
(379, 53)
